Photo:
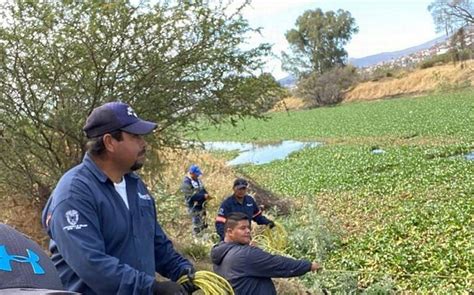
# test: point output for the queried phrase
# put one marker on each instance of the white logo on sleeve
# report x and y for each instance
(249, 204)
(144, 197)
(72, 217)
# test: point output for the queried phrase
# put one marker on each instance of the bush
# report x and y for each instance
(435, 60)
(327, 89)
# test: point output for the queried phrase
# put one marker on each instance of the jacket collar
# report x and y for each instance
(234, 199)
(98, 173)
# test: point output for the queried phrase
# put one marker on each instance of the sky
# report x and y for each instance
(384, 25)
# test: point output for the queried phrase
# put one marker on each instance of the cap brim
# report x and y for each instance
(239, 186)
(141, 127)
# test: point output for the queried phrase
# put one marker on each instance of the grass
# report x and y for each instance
(440, 116)
(397, 221)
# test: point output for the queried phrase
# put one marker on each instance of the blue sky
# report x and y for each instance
(384, 25)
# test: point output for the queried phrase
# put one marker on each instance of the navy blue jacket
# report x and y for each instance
(194, 193)
(248, 207)
(97, 244)
(250, 269)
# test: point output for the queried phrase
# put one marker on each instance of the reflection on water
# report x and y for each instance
(470, 156)
(259, 154)
(378, 151)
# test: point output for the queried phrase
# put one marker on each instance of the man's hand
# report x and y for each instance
(271, 224)
(207, 197)
(168, 288)
(190, 272)
(316, 267)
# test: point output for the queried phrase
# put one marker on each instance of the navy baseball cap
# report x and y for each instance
(240, 183)
(195, 169)
(114, 116)
(25, 267)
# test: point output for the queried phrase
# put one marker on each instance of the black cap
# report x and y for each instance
(240, 183)
(24, 266)
(114, 116)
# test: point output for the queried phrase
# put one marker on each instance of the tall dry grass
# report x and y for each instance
(23, 214)
(289, 103)
(420, 81)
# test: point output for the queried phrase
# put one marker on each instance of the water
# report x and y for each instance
(470, 156)
(378, 151)
(259, 154)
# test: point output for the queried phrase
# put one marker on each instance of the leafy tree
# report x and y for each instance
(328, 88)
(175, 62)
(317, 43)
(450, 15)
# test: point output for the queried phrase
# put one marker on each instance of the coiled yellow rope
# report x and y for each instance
(210, 283)
(273, 240)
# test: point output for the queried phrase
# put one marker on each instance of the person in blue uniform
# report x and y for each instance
(249, 269)
(195, 195)
(240, 201)
(101, 218)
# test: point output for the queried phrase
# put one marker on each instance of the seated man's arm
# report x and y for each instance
(258, 263)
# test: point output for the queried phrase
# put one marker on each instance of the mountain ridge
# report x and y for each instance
(374, 59)
(371, 60)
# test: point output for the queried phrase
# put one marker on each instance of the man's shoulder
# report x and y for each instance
(249, 198)
(187, 180)
(75, 180)
(227, 200)
(244, 253)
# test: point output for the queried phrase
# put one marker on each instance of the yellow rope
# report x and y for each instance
(210, 283)
(273, 240)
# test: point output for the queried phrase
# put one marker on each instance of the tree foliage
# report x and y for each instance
(450, 15)
(317, 43)
(174, 62)
(328, 88)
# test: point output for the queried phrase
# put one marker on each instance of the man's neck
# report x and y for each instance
(108, 168)
(228, 240)
(240, 200)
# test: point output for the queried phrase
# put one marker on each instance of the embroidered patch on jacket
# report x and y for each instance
(144, 197)
(72, 217)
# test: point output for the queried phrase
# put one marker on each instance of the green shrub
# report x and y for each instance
(328, 88)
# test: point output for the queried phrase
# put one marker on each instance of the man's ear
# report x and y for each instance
(109, 142)
(228, 231)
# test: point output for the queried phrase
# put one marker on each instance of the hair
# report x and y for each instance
(95, 146)
(233, 219)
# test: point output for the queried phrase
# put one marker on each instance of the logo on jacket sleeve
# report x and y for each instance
(144, 197)
(72, 217)
(249, 204)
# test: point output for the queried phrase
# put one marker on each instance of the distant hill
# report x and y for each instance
(371, 60)
(386, 56)
(288, 82)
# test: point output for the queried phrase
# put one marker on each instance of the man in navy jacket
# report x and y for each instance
(101, 218)
(250, 269)
(240, 201)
